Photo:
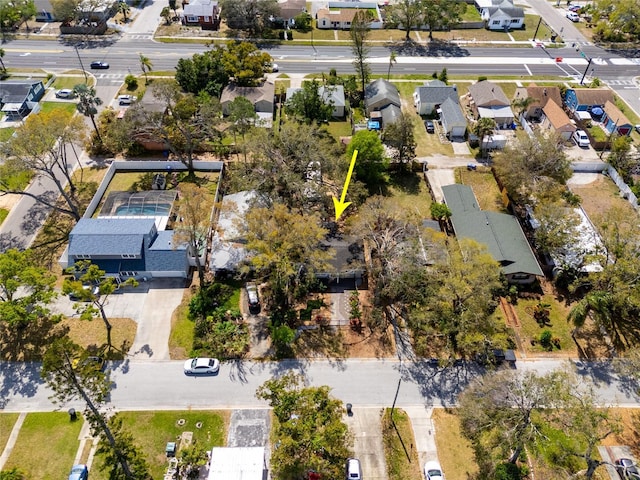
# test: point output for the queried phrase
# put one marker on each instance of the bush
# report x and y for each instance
(208, 299)
(545, 339)
(507, 471)
(131, 82)
(282, 337)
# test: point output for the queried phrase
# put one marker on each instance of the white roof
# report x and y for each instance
(232, 212)
(237, 463)
(496, 112)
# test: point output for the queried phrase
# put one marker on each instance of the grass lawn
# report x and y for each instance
(600, 198)
(46, 446)
(7, 420)
(3, 214)
(57, 107)
(339, 129)
(181, 338)
(63, 81)
(454, 451)
(410, 192)
(531, 22)
(92, 334)
(152, 431)
(484, 187)
(6, 133)
(397, 434)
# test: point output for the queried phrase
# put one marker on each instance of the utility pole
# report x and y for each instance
(84, 72)
(589, 60)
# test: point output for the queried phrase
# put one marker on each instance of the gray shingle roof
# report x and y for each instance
(390, 114)
(109, 236)
(437, 93)
(501, 233)
(488, 94)
(333, 93)
(380, 93)
(15, 91)
(452, 113)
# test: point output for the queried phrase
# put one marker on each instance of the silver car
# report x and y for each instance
(201, 366)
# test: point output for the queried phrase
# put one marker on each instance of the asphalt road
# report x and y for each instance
(161, 385)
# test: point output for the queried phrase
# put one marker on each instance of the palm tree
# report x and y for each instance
(146, 66)
(482, 128)
(123, 8)
(392, 62)
(88, 104)
(166, 14)
(522, 104)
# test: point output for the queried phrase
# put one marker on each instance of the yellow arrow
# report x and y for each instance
(341, 205)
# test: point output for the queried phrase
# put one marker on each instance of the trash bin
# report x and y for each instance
(349, 409)
(73, 416)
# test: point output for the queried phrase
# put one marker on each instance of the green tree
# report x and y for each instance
(203, 72)
(533, 169)
(482, 128)
(399, 136)
(145, 65)
(88, 103)
(623, 157)
(245, 63)
(70, 380)
(372, 165)
(65, 11)
(441, 14)
(124, 9)
(307, 104)
(558, 229)
(287, 249)
(42, 144)
(89, 284)
(615, 20)
(440, 211)
(15, 12)
(310, 432)
(3, 68)
(359, 33)
(408, 14)
(303, 22)
(25, 289)
(243, 115)
(393, 58)
(166, 14)
(250, 15)
(192, 458)
(522, 104)
(194, 209)
(13, 474)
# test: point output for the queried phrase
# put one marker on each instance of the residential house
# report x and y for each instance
(262, 98)
(614, 121)
(44, 11)
(382, 102)
(203, 13)
(430, 96)
(339, 15)
(96, 11)
(453, 120)
(347, 263)
(500, 14)
(19, 97)
(556, 119)
(487, 100)
(585, 99)
(289, 10)
(500, 232)
(540, 96)
(333, 94)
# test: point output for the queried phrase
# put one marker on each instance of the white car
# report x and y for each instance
(274, 67)
(573, 16)
(433, 471)
(65, 93)
(581, 138)
(126, 99)
(201, 366)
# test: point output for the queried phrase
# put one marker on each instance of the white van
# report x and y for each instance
(581, 138)
(354, 472)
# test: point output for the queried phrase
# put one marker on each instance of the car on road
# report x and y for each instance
(433, 471)
(573, 16)
(353, 469)
(429, 126)
(79, 472)
(201, 366)
(627, 469)
(126, 99)
(65, 93)
(98, 65)
(275, 67)
(253, 298)
(581, 138)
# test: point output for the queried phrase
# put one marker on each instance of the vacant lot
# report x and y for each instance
(484, 187)
(600, 198)
(454, 451)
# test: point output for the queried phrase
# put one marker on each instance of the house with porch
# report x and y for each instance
(339, 15)
(202, 13)
(500, 232)
(540, 96)
(382, 102)
(487, 100)
(18, 98)
(554, 118)
(614, 121)
(500, 14)
(431, 95)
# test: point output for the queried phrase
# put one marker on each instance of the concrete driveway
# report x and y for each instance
(365, 425)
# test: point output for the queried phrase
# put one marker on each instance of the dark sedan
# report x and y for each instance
(99, 65)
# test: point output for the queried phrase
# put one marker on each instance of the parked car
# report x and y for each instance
(275, 67)
(93, 361)
(65, 93)
(573, 16)
(95, 290)
(581, 138)
(627, 469)
(254, 299)
(429, 126)
(97, 65)
(353, 469)
(574, 8)
(637, 127)
(201, 366)
(126, 99)
(79, 472)
(433, 471)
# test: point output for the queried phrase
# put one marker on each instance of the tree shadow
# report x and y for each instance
(434, 48)
(18, 379)
(406, 181)
(28, 342)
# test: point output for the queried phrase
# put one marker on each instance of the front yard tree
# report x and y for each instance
(146, 65)
(92, 288)
(408, 14)
(88, 103)
(534, 168)
(42, 145)
(194, 211)
(243, 115)
(15, 12)
(204, 72)
(500, 413)
(441, 14)
(483, 128)
(124, 9)
(249, 15)
(89, 384)
(399, 135)
(287, 249)
(245, 63)
(359, 33)
(307, 104)
(310, 432)
(558, 229)
(25, 289)
(371, 165)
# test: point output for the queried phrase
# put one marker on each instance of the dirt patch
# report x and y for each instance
(344, 342)
(601, 196)
(8, 201)
(92, 334)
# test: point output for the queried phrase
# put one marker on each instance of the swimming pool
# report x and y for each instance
(158, 209)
